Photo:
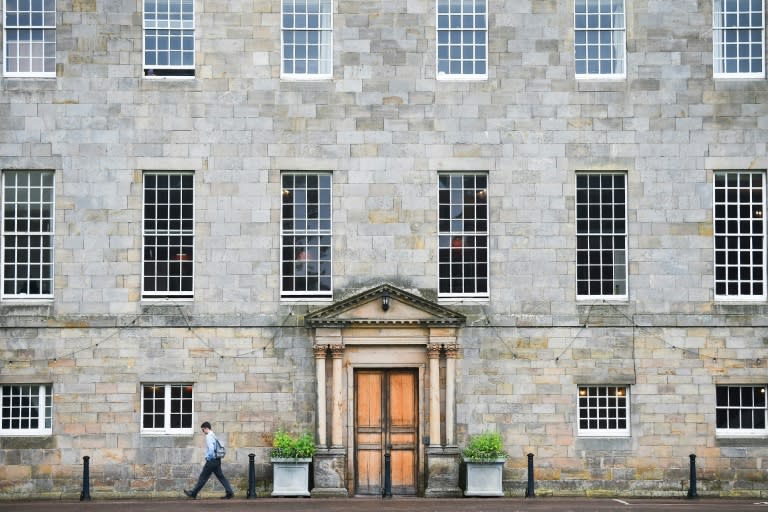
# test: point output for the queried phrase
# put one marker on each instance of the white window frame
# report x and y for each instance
(168, 405)
(40, 53)
(37, 399)
(35, 260)
(734, 405)
(306, 237)
(592, 233)
(452, 29)
(729, 27)
(306, 39)
(739, 241)
(597, 33)
(458, 235)
(175, 259)
(174, 26)
(598, 405)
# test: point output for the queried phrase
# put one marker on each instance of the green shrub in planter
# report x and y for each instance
(485, 447)
(286, 446)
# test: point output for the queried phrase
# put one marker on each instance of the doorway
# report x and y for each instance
(386, 421)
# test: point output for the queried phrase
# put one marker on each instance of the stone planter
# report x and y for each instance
(484, 478)
(290, 477)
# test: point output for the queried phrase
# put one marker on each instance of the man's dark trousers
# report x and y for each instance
(211, 466)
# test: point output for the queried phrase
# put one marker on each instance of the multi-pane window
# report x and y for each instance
(306, 235)
(600, 38)
(603, 411)
(27, 409)
(169, 233)
(737, 39)
(27, 234)
(462, 39)
(601, 235)
(739, 232)
(307, 31)
(463, 235)
(30, 38)
(741, 410)
(169, 38)
(166, 408)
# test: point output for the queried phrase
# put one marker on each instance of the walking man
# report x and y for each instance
(212, 465)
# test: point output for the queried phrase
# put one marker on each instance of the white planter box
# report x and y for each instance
(290, 477)
(484, 478)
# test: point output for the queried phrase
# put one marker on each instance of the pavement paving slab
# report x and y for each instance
(548, 504)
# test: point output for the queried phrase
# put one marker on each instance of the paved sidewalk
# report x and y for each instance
(214, 504)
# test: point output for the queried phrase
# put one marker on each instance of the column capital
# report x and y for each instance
(452, 351)
(321, 351)
(337, 351)
(433, 350)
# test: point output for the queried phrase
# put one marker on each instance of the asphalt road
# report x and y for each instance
(214, 504)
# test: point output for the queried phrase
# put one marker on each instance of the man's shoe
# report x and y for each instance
(228, 496)
(189, 494)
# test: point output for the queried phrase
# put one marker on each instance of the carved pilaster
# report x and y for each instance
(321, 352)
(337, 436)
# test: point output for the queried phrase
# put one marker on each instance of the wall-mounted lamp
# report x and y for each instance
(385, 301)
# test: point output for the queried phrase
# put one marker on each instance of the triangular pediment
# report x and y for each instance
(383, 305)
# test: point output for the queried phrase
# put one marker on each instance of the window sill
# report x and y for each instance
(167, 434)
(444, 77)
(166, 300)
(601, 78)
(27, 301)
(289, 299)
(582, 435)
(583, 300)
(732, 440)
(725, 77)
(305, 78)
(463, 300)
(36, 435)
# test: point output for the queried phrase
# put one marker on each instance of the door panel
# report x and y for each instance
(368, 432)
(402, 431)
(386, 419)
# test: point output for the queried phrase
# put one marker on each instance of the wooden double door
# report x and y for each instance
(386, 421)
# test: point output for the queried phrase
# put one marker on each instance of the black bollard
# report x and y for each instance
(251, 476)
(529, 492)
(85, 495)
(387, 491)
(692, 488)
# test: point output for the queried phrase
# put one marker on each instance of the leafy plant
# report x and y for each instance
(286, 446)
(485, 447)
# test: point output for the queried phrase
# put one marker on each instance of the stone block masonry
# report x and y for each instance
(384, 125)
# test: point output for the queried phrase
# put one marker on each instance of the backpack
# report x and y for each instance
(219, 450)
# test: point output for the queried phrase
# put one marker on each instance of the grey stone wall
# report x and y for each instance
(384, 126)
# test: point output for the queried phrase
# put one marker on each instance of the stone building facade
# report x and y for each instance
(541, 217)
